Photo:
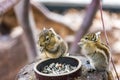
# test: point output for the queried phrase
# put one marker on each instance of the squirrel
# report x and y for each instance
(51, 44)
(97, 53)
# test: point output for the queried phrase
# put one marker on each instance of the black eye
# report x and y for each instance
(86, 38)
(47, 38)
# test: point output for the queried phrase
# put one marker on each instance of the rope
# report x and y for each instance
(106, 38)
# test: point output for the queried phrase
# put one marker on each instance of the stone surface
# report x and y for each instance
(27, 73)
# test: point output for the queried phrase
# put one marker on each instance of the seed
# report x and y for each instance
(57, 68)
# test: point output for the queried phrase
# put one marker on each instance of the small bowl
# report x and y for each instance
(73, 61)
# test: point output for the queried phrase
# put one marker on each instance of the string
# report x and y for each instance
(106, 38)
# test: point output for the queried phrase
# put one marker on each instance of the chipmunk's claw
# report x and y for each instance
(91, 70)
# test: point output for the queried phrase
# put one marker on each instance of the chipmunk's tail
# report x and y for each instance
(110, 75)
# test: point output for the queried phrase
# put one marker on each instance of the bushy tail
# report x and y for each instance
(110, 75)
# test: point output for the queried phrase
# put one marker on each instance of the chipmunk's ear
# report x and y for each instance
(52, 30)
(98, 34)
(44, 28)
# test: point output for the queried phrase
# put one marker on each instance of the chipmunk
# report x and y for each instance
(51, 44)
(97, 53)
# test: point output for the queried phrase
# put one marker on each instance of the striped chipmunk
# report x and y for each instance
(97, 52)
(51, 44)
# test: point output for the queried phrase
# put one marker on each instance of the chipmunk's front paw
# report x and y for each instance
(90, 67)
(87, 67)
(91, 70)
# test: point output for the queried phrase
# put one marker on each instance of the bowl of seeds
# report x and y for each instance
(63, 68)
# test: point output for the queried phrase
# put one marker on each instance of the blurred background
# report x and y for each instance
(22, 21)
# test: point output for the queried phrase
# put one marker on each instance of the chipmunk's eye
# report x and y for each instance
(86, 38)
(47, 38)
(40, 45)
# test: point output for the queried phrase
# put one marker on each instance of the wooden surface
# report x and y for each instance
(27, 73)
